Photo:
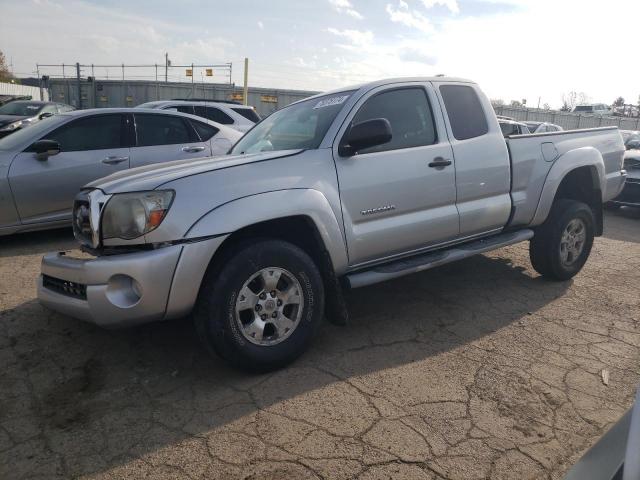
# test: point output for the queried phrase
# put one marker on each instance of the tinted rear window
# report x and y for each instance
(466, 115)
(248, 113)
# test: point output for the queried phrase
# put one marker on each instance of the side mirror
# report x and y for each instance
(45, 115)
(369, 133)
(46, 148)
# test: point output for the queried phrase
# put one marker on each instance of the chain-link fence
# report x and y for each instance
(567, 120)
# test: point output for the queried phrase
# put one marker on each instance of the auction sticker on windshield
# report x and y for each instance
(328, 102)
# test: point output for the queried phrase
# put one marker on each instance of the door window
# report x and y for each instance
(409, 113)
(466, 115)
(161, 130)
(204, 131)
(99, 132)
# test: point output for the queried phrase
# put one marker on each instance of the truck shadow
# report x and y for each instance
(103, 397)
(37, 243)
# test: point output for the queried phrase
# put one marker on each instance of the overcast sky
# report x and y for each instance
(514, 48)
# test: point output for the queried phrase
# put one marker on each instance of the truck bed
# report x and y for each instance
(533, 156)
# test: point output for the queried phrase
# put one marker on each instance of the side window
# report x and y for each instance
(214, 114)
(409, 114)
(466, 115)
(204, 131)
(184, 109)
(161, 130)
(100, 132)
(49, 109)
(248, 113)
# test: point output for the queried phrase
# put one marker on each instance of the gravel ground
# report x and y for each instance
(479, 369)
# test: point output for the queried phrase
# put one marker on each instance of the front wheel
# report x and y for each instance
(562, 244)
(260, 310)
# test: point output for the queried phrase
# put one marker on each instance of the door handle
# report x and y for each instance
(440, 162)
(192, 149)
(114, 160)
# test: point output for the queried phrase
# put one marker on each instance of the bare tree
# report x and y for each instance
(546, 107)
(618, 102)
(569, 100)
(5, 74)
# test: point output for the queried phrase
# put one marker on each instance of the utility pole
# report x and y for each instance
(166, 66)
(245, 93)
(79, 86)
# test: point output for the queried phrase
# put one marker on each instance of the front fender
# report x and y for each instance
(246, 211)
(579, 157)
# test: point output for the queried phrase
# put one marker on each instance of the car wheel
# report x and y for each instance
(260, 310)
(562, 244)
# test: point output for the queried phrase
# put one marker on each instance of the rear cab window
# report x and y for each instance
(464, 109)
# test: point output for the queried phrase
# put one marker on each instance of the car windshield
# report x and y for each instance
(31, 134)
(532, 125)
(22, 109)
(301, 125)
(583, 108)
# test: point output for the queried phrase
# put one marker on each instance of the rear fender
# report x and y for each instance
(566, 163)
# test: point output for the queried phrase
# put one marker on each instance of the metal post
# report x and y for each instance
(166, 66)
(193, 85)
(79, 86)
(124, 88)
(39, 81)
(245, 92)
(157, 86)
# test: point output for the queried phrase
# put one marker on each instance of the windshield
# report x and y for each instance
(583, 108)
(532, 125)
(23, 109)
(301, 125)
(31, 134)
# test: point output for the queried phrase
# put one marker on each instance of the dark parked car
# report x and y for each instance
(22, 113)
(630, 195)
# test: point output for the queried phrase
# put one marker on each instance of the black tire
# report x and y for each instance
(215, 313)
(544, 247)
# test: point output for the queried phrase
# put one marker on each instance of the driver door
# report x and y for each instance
(91, 147)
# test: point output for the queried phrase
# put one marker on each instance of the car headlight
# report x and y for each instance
(11, 126)
(131, 215)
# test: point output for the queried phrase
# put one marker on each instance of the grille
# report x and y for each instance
(70, 289)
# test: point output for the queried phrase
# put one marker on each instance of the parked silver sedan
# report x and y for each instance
(43, 167)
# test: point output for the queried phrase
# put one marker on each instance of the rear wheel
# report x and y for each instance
(562, 244)
(260, 310)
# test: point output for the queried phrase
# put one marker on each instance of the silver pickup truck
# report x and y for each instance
(341, 190)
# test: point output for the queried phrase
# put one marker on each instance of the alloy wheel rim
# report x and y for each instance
(269, 306)
(572, 241)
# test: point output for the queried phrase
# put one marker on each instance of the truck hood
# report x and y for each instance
(151, 177)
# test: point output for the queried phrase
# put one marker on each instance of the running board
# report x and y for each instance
(418, 263)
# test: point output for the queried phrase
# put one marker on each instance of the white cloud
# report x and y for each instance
(410, 18)
(260, 25)
(345, 6)
(356, 37)
(452, 5)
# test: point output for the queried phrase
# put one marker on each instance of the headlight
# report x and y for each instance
(131, 215)
(11, 127)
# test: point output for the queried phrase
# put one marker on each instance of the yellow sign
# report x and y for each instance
(269, 98)
(189, 72)
(209, 72)
(129, 99)
(238, 97)
(103, 98)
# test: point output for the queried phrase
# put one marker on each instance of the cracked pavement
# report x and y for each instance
(479, 369)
